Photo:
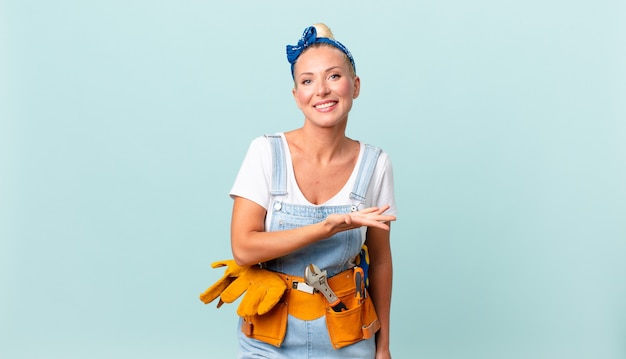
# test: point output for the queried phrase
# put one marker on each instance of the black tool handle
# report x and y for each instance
(339, 307)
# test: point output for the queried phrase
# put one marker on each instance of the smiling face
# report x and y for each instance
(325, 86)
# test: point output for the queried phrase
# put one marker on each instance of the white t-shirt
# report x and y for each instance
(255, 175)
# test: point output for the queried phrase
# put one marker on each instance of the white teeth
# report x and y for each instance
(326, 105)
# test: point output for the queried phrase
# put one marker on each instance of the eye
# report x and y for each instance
(334, 76)
(306, 82)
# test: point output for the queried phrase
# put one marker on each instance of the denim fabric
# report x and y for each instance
(334, 254)
(305, 339)
(366, 169)
(309, 339)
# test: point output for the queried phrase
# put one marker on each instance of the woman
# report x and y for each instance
(314, 196)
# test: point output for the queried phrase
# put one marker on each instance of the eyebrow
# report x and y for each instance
(326, 71)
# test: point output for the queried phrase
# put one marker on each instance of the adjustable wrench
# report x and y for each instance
(316, 278)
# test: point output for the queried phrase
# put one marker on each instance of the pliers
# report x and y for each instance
(359, 282)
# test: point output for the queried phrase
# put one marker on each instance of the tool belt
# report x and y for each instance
(347, 327)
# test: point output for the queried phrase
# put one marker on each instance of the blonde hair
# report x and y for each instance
(324, 31)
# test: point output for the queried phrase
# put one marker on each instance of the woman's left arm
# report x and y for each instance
(380, 280)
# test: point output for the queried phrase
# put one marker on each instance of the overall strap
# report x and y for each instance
(366, 170)
(279, 169)
(279, 166)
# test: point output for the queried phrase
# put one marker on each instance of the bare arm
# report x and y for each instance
(251, 244)
(380, 278)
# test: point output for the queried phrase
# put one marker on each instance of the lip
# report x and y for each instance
(330, 105)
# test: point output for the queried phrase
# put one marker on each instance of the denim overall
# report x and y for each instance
(309, 339)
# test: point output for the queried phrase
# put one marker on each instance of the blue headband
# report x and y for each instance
(309, 37)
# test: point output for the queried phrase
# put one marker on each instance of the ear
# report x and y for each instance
(357, 87)
(295, 96)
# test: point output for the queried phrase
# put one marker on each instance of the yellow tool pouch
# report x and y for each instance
(357, 323)
(269, 327)
(344, 328)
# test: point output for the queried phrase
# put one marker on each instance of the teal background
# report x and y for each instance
(124, 123)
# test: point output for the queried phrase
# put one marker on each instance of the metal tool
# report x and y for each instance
(316, 278)
(359, 283)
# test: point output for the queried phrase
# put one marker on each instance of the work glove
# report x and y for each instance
(232, 272)
(263, 290)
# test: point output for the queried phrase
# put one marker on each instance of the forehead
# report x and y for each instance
(320, 58)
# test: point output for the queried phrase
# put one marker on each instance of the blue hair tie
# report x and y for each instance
(309, 37)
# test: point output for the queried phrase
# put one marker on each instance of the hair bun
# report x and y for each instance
(323, 30)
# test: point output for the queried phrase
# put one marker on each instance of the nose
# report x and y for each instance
(322, 88)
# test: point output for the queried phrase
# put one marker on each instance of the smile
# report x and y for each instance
(325, 105)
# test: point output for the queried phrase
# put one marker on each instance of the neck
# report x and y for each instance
(320, 144)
